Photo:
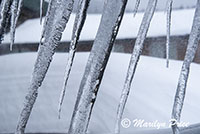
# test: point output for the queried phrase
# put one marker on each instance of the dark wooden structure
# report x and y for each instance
(154, 46)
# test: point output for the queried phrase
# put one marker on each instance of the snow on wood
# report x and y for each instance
(129, 27)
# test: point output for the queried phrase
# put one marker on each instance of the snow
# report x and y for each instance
(181, 25)
(151, 97)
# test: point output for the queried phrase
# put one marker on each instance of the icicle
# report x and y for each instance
(107, 32)
(15, 12)
(78, 25)
(61, 12)
(136, 7)
(49, 20)
(189, 56)
(4, 17)
(41, 10)
(169, 11)
(134, 60)
(12, 27)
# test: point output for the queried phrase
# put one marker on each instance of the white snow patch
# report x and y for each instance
(182, 20)
(151, 97)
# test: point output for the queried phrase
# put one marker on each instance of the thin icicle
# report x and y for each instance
(20, 4)
(137, 4)
(169, 11)
(4, 17)
(12, 27)
(97, 61)
(134, 60)
(41, 10)
(78, 25)
(15, 11)
(189, 57)
(63, 9)
(49, 20)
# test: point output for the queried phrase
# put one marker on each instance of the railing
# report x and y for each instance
(154, 46)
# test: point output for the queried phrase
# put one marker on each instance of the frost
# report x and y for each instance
(134, 60)
(182, 83)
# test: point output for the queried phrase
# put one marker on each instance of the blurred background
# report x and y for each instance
(183, 11)
(31, 7)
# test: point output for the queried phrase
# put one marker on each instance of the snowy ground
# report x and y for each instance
(151, 97)
(181, 25)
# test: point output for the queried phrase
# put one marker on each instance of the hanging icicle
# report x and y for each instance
(15, 12)
(78, 25)
(134, 60)
(56, 21)
(4, 17)
(183, 78)
(13, 26)
(110, 22)
(137, 4)
(169, 11)
(41, 10)
(49, 20)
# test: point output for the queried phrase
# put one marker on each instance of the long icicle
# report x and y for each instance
(4, 17)
(169, 12)
(189, 57)
(55, 28)
(134, 60)
(41, 10)
(110, 22)
(136, 7)
(49, 20)
(15, 12)
(78, 25)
